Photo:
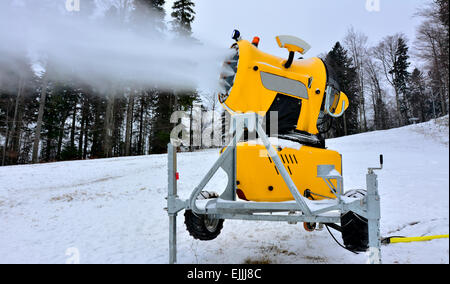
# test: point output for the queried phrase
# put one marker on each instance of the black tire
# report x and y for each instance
(355, 229)
(203, 227)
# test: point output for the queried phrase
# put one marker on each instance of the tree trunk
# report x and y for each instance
(60, 137)
(399, 113)
(86, 139)
(82, 129)
(141, 126)
(212, 127)
(72, 131)
(5, 145)
(37, 135)
(364, 116)
(363, 103)
(375, 110)
(201, 127)
(345, 125)
(109, 127)
(129, 125)
(16, 126)
(191, 132)
(49, 146)
(439, 79)
(150, 138)
(145, 134)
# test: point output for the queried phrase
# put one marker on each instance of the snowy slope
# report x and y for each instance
(111, 210)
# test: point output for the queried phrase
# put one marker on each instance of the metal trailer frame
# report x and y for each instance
(299, 210)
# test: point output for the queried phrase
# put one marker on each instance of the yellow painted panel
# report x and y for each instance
(260, 181)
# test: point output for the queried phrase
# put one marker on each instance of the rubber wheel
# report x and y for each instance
(355, 229)
(202, 227)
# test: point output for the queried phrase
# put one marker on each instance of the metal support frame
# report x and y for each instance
(299, 210)
(373, 218)
(171, 203)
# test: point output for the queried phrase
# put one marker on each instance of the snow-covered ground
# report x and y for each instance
(111, 210)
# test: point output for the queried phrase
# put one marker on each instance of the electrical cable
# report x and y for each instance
(338, 241)
(387, 240)
(402, 239)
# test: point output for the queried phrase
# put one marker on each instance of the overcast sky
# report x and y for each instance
(319, 22)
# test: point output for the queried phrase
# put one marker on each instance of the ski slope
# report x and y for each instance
(111, 210)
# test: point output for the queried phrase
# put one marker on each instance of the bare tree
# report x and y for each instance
(386, 53)
(37, 136)
(356, 43)
(211, 102)
(5, 144)
(17, 121)
(432, 46)
(129, 123)
(109, 126)
(374, 83)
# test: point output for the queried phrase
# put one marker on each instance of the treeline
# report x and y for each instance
(44, 120)
(384, 88)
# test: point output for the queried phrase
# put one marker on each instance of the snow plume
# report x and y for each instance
(107, 53)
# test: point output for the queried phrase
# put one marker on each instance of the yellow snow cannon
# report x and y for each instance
(297, 92)
(272, 173)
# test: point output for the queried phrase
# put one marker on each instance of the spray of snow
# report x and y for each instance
(103, 53)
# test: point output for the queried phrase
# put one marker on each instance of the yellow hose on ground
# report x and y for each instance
(416, 239)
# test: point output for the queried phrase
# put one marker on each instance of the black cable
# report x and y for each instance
(309, 193)
(387, 240)
(338, 241)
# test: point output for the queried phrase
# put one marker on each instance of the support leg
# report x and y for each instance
(171, 202)
(172, 238)
(373, 210)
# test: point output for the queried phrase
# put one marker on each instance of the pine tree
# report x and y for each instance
(161, 126)
(401, 75)
(166, 102)
(97, 126)
(340, 67)
(183, 17)
(392, 54)
(148, 17)
(17, 85)
(416, 95)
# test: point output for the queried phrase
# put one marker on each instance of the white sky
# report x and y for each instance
(319, 22)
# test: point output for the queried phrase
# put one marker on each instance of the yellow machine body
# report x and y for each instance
(250, 94)
(252, 82)
(259, 180)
